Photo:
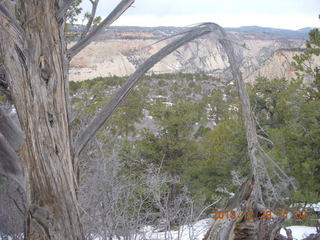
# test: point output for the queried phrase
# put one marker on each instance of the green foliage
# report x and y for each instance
(73, 87)
(90, 95)
(296, 135)
(130, 112)
(304, 63)
(178, 120)
(182, 146)
(269, 100)
(288, 117)
(73, 12)
(224, 149)
(173, 146)
(223, 103)
(97, 21)
(162, 83)
(3, 98)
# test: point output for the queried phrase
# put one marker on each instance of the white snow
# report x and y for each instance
(314, 206)
(168, 103)
(195, 231)
(299, 232)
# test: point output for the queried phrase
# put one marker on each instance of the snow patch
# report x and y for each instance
(194, 231)
(299, 232)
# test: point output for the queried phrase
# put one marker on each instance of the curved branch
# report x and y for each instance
(93, 14)
(113, 16)
(90, 130)
(257, 155)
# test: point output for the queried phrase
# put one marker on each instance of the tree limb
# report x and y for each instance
(63, 9)
(257, 155)
(113, 16)
(90, 130)
(93, 14)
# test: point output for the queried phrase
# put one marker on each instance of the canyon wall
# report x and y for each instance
(121, 52)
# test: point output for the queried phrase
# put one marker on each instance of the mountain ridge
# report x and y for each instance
(120, 50)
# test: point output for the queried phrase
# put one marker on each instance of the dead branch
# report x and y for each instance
(257, 155)
(90, 21)
(90, 130)
(114, 15)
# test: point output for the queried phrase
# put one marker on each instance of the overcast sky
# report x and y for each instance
(288, 14)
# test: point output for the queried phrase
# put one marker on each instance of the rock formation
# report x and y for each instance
(120, 50)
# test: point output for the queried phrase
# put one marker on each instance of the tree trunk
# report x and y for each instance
(250, 195)
(35, 63)
(245, 223)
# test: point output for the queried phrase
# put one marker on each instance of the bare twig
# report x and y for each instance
(90, 130)
(266, 139)
(206, 208)
(113, 16)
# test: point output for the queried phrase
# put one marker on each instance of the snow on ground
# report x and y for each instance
(299, 232)
(186, 232)
(194, 231)
(314, 206)
(199, 229)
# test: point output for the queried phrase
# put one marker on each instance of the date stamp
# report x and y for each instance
(257, 215)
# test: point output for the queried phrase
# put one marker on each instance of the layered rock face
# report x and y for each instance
(119, 51)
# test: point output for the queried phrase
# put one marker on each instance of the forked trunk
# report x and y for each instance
(34, 57)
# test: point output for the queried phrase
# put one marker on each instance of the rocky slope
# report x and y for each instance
(119, 51)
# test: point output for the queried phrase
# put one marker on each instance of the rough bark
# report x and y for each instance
(245, 226)
(240, 227)
(35, 67)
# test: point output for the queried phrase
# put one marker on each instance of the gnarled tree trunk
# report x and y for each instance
(34, 56)
(35, 61)
(256, 194)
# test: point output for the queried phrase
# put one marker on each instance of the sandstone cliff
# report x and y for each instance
(120, 52)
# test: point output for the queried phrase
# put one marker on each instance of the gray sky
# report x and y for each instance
(290, 14)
